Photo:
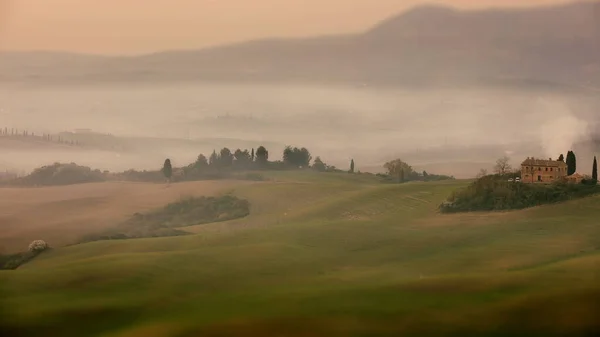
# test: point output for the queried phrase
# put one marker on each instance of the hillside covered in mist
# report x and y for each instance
(548, 47)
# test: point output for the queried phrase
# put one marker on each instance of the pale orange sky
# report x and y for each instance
(141, 26)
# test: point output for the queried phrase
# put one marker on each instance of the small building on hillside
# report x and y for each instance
(535, 170)
(575, 178)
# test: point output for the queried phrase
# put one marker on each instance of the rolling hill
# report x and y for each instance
(62, 215)
(327, 255)
(547, 47)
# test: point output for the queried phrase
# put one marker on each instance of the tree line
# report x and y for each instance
(12, 132)
(225, 160)
(399, 171)
(293, 158)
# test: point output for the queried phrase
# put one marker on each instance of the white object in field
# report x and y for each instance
(38, 246)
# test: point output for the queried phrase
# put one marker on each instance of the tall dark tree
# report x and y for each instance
(242, 158)
(288, 156)
(201, 162)
(304, 157)
(352, 166)
(247, 156)
(561, 158)
(318, 165)
(571, 163)
(252, 155)
(214, 159)
(167, 169)
(262, 155)
(595, 170)
(226, 158)
(238, 155)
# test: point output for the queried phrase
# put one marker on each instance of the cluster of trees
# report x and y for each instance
(167, 220)
(571, 161)
(293, 158)
(225, 159)
(15, 132)
(296, 158)
(219, 163)
(494, 192)
(400, 172)
(44, 137)
(59, 174)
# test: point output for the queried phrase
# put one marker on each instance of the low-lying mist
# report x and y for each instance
(465, 126)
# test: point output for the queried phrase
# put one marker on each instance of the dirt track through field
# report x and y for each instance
(61, 215)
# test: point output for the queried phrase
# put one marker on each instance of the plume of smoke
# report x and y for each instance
(561, 129)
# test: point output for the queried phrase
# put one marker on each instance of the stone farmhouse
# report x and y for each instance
(535, 170)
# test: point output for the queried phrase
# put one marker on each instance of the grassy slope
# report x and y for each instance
(61, 215)
(345, 255)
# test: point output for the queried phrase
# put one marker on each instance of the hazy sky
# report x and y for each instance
(139, 26)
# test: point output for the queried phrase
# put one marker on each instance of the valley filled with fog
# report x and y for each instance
(453, 130)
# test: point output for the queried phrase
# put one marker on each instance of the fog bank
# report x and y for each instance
(337, 123)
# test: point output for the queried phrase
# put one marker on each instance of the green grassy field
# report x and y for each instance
(328, 255)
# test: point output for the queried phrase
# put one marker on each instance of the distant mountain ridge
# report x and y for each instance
(557, 45)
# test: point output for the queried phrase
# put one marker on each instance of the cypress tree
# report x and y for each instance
(571, 163)
(213, 160)
(595, 170)
(352, 166)
(167, 169)
(261, 155)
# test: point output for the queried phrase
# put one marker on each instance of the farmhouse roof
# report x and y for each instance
(543, 162)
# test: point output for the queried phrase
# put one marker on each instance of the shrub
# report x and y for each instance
(165, 221)
(60, 174)
(13, 261)
(589, 182)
